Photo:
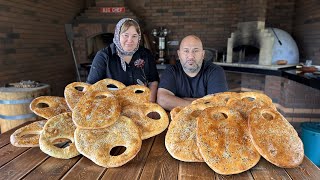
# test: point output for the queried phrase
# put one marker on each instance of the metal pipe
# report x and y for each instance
(69, 33)
(276, 36)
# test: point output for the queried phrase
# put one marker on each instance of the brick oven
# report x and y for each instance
(252, 43)
(94, 29)
(251, 34)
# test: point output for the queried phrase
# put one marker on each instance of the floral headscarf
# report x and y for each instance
(116, 41)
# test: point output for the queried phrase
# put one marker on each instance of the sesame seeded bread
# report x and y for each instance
(217, 99)
(28, 136)
(74, 91)
(149, 126)
(107, 85)
(96, 109)
(53, 106)
(180, 140)
(58, 127)
(275, 138)
(224, 141)
(174, 112)
(248, 101)
(96, 144)
(134, 94)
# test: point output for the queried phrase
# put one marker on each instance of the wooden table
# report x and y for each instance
(152, 162)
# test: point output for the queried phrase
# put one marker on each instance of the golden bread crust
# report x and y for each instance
(20, 137)
(56, 105)
(59, 127)
(103, 84)
(248, 101)
(224, 141)
(148, 126)
(275, 138)
(96, 144)
(96, 109)
(134, 94)
(180, 140)
(217, 99)
(73, 95)
(174, 112)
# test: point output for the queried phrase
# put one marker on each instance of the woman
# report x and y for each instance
(125, 61)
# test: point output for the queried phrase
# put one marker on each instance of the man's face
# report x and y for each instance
(191, 54)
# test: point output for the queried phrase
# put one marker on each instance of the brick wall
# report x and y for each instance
(234, 81)
(253, 10)
(92, 23)
(256, 83)
(273, 88)
(33, 44)
(213, 21)
(306, 29)
(280, 14)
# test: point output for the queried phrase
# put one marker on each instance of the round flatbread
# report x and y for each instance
(217, 99)
(134, 94)
(275, 138)
(180, 139)
(149, 126)
(49, 106)
(248, 101)
(107, 85)
(224, 141)
(28, 136)
(74, 91)
(96, 144)
(58, 127)
(174, 112)
(96, 109)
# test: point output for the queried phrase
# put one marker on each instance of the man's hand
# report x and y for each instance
(167, 100)
(190, 99)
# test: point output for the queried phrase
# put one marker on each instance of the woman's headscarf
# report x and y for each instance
(116, 41)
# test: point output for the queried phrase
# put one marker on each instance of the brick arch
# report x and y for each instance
(83, 32)
(97, 42)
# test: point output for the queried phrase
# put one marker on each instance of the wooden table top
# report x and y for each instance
(152, 162)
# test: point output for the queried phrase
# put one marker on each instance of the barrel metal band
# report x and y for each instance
(21, 101)
(17, 117)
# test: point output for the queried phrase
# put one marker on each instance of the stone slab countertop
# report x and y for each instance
(256, 66)
(285, 71)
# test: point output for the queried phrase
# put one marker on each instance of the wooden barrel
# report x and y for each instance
(14, 105)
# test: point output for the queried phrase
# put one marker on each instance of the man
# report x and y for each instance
(191, 78)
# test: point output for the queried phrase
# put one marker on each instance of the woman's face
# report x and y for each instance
(129, 39)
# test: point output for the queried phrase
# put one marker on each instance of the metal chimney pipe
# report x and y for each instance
(70, 36)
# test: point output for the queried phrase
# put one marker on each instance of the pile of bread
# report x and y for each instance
(230, 131)
(92, 120)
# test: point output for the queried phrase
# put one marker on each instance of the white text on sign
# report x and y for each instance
(112, 9)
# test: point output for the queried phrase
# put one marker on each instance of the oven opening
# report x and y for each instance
(246, 54)
(96, 43)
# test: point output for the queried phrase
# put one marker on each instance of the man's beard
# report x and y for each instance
(193, 69)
